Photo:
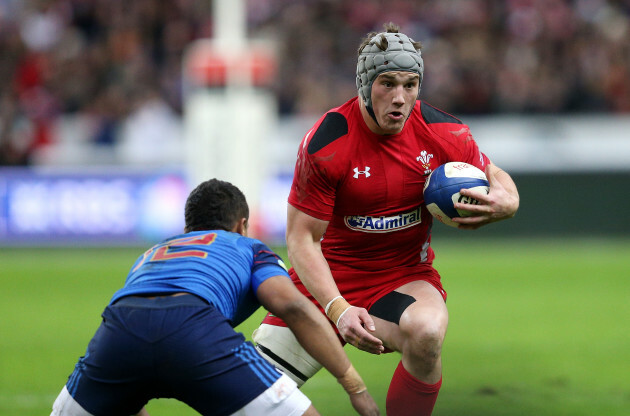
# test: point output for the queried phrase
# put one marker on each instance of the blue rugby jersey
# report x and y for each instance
(222, 267)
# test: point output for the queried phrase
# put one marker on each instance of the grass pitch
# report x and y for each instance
(537, 327)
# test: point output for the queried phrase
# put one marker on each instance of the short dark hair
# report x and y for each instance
(215, 205)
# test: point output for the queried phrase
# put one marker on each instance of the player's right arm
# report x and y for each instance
(304, 234)
(280, 297)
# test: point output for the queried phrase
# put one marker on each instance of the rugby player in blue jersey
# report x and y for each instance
(168, 333)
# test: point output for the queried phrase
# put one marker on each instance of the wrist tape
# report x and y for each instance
(351, 381)
(336, 308)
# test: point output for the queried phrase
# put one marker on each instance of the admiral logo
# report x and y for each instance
(382, 224)
(425, 160)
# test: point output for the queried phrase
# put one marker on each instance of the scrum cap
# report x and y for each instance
(400, 55)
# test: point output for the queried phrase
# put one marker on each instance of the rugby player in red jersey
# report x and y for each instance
(358, 232)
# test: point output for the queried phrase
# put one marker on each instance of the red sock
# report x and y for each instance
(408, 396)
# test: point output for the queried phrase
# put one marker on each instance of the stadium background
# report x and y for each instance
(93, 128)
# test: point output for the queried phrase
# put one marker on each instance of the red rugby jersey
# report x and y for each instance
(369, 187)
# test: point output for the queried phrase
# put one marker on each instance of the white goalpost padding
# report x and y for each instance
(229, 113)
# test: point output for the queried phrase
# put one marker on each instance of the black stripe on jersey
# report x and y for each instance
(431, 115)
(333, 127)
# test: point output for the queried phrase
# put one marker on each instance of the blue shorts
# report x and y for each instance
(168, 347)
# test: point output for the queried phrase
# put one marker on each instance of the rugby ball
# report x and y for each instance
(441, 190)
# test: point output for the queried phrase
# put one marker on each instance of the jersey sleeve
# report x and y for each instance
(469, 150)
(265, 264)
(314, 188)
(455, 137)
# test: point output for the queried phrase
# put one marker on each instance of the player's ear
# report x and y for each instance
(241, 227)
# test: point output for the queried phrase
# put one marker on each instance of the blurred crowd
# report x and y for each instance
(481, 56)
(108, 61)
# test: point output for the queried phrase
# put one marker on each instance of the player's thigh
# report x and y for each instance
(280, 347)
(192, 352)
(227, 384)
(414, 309)
(110, 377)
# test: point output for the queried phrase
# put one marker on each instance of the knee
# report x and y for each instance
(424, 333)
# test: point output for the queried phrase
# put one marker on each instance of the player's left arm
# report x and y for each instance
(313, 331)
(501, 202)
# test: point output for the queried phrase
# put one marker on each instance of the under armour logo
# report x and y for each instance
(358, 172)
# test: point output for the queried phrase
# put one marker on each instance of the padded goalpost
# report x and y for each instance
(229, 111)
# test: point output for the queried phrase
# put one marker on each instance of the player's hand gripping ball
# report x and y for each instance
(442, 187)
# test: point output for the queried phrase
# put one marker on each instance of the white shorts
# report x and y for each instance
(65, 405)
(283, 398)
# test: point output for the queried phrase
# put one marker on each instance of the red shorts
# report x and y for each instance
(363, 289)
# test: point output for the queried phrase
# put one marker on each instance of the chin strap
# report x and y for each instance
(371, 113)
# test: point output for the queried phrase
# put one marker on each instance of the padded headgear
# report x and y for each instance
(400, 55)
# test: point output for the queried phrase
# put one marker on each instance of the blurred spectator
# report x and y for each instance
(95, 58)
(151, 135)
